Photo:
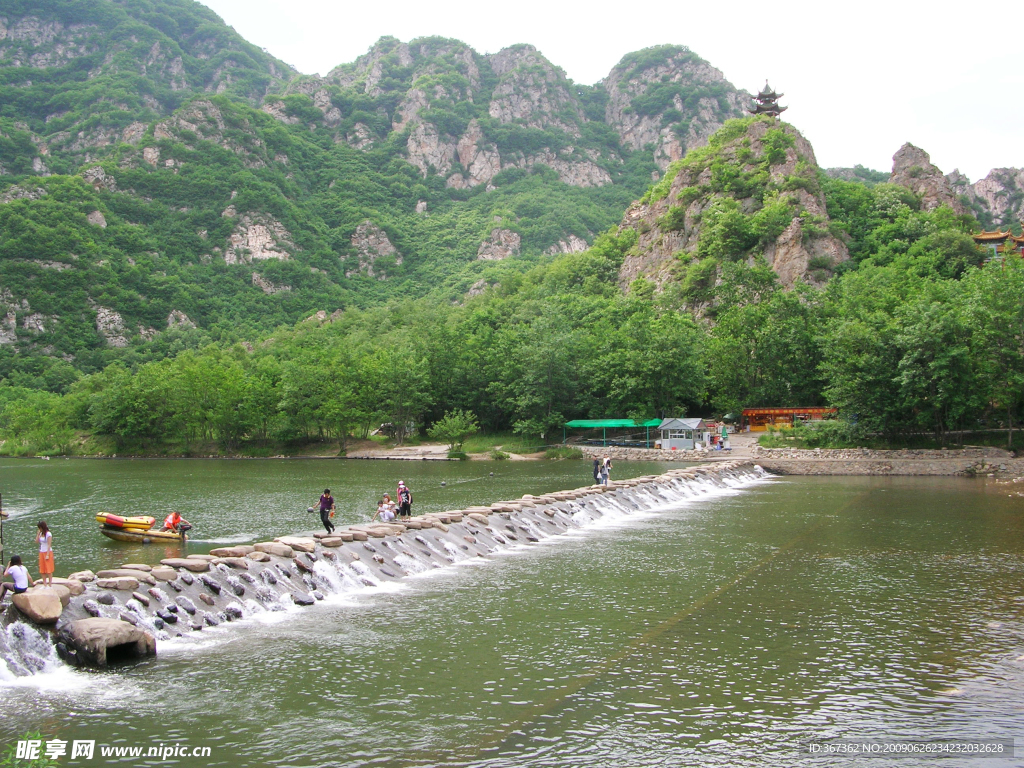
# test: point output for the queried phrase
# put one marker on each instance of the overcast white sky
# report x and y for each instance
(860, 79)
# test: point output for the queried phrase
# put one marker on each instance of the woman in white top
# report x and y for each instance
(386, 510)
(18, 572)
(45, 540)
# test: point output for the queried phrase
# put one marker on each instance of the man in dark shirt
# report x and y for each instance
(327, 510)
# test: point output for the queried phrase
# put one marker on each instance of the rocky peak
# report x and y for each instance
(997, 200)
(768, 205)
(533, 92)
(670, 98)
(912, 168)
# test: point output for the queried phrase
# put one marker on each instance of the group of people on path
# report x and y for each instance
(602, 470)
(19, 574)
(387, 510)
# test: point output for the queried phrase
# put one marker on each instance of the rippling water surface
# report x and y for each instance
(731, 631)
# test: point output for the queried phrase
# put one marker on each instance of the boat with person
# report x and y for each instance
(139, 529)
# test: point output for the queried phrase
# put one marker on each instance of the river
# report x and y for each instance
(734, 630)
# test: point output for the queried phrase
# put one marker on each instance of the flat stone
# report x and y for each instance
(141, 598)
(233, 562)
(358, 535)
(480, 518)
(275, 548)
(189, 563)
(300, 543)
(137, 567)
(40, 606)
(332, 541)
(227, 552)
(164, 574)
(123, 583)
(82, 576)
(207, 558)
(258, 557)
(119, 572)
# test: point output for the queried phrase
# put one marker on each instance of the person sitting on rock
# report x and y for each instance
(385, 510)
(18, 572)
(174, 521)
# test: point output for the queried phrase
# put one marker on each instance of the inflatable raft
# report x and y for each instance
(140, 523)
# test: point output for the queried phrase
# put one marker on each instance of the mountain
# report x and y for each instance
(163, 182)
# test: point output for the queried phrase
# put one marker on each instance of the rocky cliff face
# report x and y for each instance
(117, 69)
(670, 99)
(663, 101)
(912, 168)
(752, 193)
(996, 200)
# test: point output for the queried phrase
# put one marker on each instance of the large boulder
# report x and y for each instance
(73, 585)
(99, 641)
(42, 606)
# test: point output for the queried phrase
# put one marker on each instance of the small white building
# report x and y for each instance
(683, 434)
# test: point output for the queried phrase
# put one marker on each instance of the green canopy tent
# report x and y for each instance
(605, 424)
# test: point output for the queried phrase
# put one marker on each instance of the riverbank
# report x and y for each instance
(993, 462)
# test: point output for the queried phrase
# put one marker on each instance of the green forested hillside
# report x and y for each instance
(198, 245)
(163, 182)
(916, 336)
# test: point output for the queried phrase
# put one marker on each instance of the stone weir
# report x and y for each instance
(94, 619)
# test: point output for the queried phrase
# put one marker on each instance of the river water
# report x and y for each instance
(737, 629)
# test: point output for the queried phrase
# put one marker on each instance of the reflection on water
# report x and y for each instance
(727, 632)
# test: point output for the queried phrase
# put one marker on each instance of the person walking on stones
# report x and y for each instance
(327, 510)
(597, 471)
(404, 500)
(18, 572)
(45, 541)
(606, 470)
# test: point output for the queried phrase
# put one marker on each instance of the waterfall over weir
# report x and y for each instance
(186, 595)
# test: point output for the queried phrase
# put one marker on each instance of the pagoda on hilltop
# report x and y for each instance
(767, 102)
(1000, 242)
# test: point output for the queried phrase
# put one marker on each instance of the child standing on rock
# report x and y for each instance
(45, 541)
